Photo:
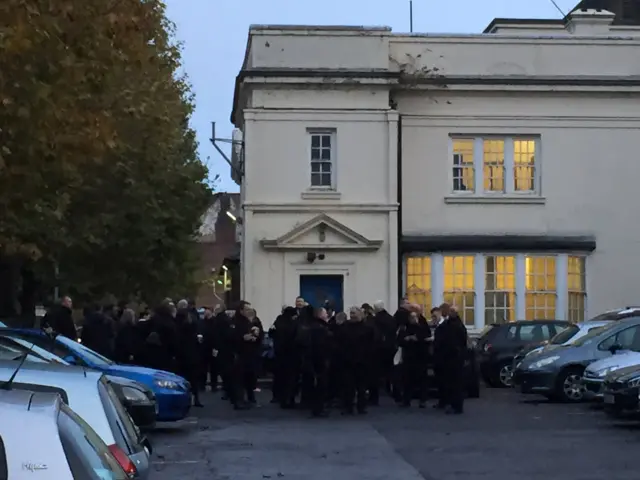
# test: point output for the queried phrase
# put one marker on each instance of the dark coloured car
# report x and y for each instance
(500, 343)
(621, 390)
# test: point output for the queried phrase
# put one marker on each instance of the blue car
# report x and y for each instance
(173, 393)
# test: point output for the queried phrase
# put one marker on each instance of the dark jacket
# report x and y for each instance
(356, 343)
(316, 355)
(243, 350)
(283, 333)
(415, 351)
(60, 319)
(97, 334)
(188, 354)
(401, 317)
(450, 340)
(126, 344)
(388, 328)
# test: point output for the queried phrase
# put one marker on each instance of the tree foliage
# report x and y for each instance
(99, 171)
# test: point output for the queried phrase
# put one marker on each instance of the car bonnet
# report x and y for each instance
(134, 371)
(621, 359)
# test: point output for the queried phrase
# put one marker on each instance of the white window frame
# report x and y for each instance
(562, 290)
(330, 132)
(478, 166)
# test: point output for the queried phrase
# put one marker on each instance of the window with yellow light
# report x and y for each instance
(459, 285)
(419, 281)
(500, 289)
(577, 286)
(540, 281)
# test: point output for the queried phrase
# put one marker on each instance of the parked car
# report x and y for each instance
(172, 392)
(137, 398)
(59, 443)
(621, 390)
(500, 343)
(595, 373)
(90, 394)
(556, 371)
(565, 337)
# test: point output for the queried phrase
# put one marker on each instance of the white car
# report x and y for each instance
(59, 444)
(90, 395)
(594, 374)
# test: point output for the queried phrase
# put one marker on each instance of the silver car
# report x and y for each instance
(59, 445)
(91, 396)
(556, 371)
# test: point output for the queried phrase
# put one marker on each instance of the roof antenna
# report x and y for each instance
(558, 8)
(411, 16)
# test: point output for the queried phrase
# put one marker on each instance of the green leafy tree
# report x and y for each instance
(98, 161)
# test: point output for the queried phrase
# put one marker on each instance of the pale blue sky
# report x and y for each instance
(215, 34)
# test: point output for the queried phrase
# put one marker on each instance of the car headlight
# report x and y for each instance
(134, 395)
(164, 383)
(544, 362)
(634, 382)
(605, 371)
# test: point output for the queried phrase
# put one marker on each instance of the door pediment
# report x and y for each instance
(322, 232)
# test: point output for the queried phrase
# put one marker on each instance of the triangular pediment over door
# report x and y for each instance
(322, 232)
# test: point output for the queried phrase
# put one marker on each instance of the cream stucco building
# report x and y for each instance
(495, 171)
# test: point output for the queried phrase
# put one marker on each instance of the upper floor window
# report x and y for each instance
(322, 158)
(495, 165)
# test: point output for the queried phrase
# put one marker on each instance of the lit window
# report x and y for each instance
(463, 177)
(459, 288)
(500, 289)
(493, 165)
(322, 159)
(419, 281)
(524, 165)
(540, 281)
(576, 282)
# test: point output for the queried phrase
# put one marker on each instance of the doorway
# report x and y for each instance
(318, 289)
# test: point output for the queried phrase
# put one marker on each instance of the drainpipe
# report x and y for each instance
(399, 190)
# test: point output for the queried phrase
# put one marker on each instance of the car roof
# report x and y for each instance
(529, 322)
(593, 323)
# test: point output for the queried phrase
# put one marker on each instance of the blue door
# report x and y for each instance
(318, 289)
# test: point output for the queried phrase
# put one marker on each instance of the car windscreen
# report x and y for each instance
(565, 335)
(87, 353)
(36, 353)
(87, 455)
(593, 334)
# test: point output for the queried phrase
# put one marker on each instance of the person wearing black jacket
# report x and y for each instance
(59, 319)
(222, 335)
(97, 332)
(189, 350)
(125, 345)
(283, 334)
(450, 346)
(413, 338)
(356, 344)
(244, 340)
(388, 329)
(159, 345)
(303, 340)
(336, 376)
(316, 361)
(208, 357)
(373, 384)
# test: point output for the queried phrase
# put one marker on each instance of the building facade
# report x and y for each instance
(492, 171)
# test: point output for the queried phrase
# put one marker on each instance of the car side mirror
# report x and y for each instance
(70, 359)
(615, 348)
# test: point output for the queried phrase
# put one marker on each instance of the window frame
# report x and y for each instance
(480, 285)
(534, 291)
(508, 168)
(332, 133)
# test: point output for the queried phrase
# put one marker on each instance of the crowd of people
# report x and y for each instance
(321, 359)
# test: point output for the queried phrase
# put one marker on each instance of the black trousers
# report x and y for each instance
(355, 380)
(439, 373)
(210, 370)
(373, 374)
(335, 385)
(319, 391)
(243, 381)
(454, 385)
(285, 379)
(414, 379)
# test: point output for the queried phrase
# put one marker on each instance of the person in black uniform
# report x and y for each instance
(414, 338)
(373, 384)
(188, 354)
(452, 350)
(244, 340)
(401, 317)
(303, 343)
(356, 346)
(316, 361)
(283, 333)
(222, 343)
(388, 332)
(336, 377)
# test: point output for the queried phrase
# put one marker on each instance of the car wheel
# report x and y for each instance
(569, 387)
(504, 377)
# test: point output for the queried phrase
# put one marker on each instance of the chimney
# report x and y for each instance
(590, 22)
